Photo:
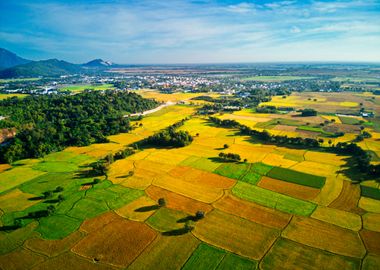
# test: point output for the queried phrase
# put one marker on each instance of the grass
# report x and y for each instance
(279, 121)
(273, 200)
(205, 257)
(166, 219)
(57, 226)
(370, 192)
(296, 177)
(55, 166)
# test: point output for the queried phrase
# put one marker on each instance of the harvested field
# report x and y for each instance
(286, 254)
(176, 201)
(200, 193)
(254, 212)
(117, 243)
(348, 198)
(371, 221)
(131, 210)
(205, 257)
(296, 177)
(273, 200)
(19, 258)
(166, 253)
(290, 189)
(318, 234)
(96, 223)
(4, 167)
(53, 248)
(338, 217)
(330, 191)
(71, 261)
(278, 160)
(316, 168)
(236, 235)
(371, 241)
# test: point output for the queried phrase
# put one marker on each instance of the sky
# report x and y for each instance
(200, 31)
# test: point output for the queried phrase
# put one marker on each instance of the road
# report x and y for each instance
(169, 103)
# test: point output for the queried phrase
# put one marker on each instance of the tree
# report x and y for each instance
(50, 209)
(60, 198)
(225, 146)
(59, 189)
(199, 215)
(96, 181)
(161, 202)
(48, 194)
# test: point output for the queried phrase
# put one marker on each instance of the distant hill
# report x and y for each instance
(9, 59)
(98, 63)
(51, 67)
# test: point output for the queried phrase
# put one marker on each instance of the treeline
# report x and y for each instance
(170, 137)
(50, 123)
(362, 159)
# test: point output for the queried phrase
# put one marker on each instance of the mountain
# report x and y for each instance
(98, 63)
(9, 59)
(51, 67)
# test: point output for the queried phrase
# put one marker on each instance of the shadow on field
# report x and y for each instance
(188, 218)
(9, 228)
(38, 198)
(175, 232)
(147, 208)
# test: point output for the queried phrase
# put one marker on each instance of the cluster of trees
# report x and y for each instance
(230, 156)
(170, 137)
(308, 112)
(50, 123)
(361, 158)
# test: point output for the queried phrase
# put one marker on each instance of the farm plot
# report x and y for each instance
(348, 198)
(166, 253)
(297, 177)
(176, 201)
(371, 241)
(167, 220)
(19, 258)
(371, 221)
(371, 262)
(253, 212)
(53, 248)
(235, 234)
(370, 205)
(338, 217)
(117, 243)
(232, 261)
(288, 188)
(138, 210)
(17, 176)
(286, 254)
(16, 200)
(57, 226)
(273, 200)
(205, 257)
(318, 234)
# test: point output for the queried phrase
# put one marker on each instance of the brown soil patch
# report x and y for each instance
(285, 128)
(319, 234)
(98, 222)
(371, 241)
(348, 198)
(4, 167)
(235, 234)
(20, 259)
(176, 201)
(293, 190)
(53, 247)
(71, 261)
(85, 187)
(117, 243)
(253, 212)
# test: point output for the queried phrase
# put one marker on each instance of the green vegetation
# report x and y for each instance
(50, 123)
(349, 120)
(273, 200)
(57, 226)
(370, 192)
(80, 88)
(166, 220)
(232, 170)
(232, 261)
(205, 257)
(296, 177)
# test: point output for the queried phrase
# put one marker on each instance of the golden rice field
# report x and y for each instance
(118, 224)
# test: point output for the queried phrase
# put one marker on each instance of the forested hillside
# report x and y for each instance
(50, 123)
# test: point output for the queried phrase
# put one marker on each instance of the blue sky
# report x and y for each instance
(202, 31)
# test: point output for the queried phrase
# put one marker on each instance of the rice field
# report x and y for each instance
(283, 208)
